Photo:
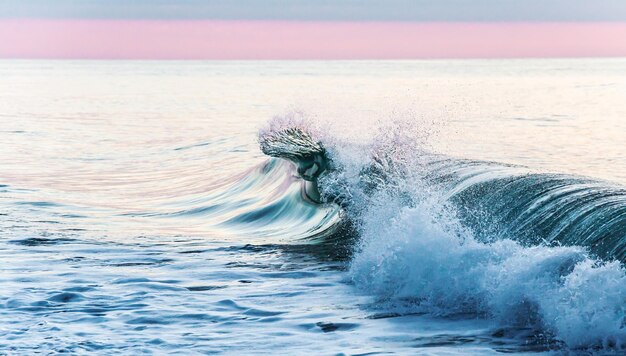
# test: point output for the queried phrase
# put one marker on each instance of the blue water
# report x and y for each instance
(138, 214)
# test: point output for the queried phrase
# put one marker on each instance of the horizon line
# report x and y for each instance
(425, 59)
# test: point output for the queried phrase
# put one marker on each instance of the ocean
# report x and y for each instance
(313, 207)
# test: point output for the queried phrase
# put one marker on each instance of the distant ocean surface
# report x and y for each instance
(410, 207)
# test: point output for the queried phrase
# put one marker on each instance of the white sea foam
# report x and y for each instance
(418, 259)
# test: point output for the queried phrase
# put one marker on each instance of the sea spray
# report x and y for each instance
(450, 237)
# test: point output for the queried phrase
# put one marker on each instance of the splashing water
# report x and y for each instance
(428, 245)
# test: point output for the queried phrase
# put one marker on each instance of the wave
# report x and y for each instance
(452, 236)
(495, 201)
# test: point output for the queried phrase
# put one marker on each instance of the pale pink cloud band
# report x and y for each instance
(156, 39)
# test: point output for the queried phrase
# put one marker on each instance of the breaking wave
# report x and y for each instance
(449, 237)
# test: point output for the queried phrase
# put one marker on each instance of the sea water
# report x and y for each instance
(138, 214)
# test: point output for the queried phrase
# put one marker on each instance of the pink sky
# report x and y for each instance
(210, 39)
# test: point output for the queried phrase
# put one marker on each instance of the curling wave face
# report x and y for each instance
(454, 236)
(494, 201)
(267, 202)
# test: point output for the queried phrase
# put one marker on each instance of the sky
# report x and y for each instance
(301, 29)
